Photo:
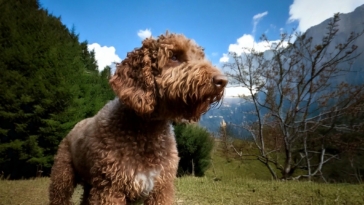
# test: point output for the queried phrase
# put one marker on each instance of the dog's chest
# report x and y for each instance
(143, 154)
(146, 181)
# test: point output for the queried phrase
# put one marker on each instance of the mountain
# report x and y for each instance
(236, 110)
(350, 22)
(233, 111)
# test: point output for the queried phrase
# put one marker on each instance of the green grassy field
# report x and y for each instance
(224, 183)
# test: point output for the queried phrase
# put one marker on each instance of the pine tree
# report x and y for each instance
(194, 145)
(48, 82)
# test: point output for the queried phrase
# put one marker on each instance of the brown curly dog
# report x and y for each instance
(127, 152)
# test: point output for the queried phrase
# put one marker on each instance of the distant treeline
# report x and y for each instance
(49, 81)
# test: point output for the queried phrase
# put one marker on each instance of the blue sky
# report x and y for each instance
(115, 27)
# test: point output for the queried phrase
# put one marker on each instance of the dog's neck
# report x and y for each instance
(121, 112)
(126, 120)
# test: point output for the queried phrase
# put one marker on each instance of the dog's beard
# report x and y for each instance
(188, 91)
(201, 108)
(190, 104)
(190, 110)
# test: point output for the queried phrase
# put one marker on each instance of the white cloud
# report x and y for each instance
(257, 18)
(104, 55)
(245, 43)
(224, 58)
(312, 12)
(214, 54)
(143, 34)
(236, 91)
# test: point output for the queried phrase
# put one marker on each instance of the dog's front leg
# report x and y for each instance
(106, 196)
(162, 194)
(62, 177)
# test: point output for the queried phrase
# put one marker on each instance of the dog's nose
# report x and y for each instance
(220, 81)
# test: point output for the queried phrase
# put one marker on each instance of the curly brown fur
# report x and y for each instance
(127, 151)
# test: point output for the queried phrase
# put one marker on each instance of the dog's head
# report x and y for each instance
(168, 76)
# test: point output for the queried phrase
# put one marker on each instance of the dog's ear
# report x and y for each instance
(133, 81)
(165, 47)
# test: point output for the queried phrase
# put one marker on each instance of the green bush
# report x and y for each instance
(194, 145)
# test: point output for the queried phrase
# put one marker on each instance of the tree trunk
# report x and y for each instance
(287, 171)
(193, 168)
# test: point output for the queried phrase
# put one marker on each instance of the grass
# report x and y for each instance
(227, 183)
(250, 191)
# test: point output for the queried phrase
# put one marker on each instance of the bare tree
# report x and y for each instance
(297, 96)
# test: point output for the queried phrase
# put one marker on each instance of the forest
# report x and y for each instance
(49, 81)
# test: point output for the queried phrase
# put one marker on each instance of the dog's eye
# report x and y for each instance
(174, 58)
